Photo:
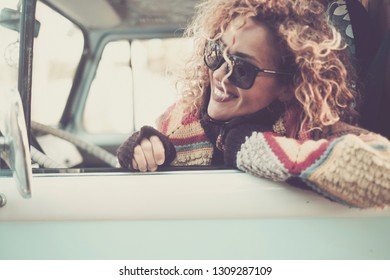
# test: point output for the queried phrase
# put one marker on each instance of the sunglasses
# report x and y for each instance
(243, 74)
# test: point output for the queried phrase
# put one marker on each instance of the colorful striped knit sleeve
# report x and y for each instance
(353, 170)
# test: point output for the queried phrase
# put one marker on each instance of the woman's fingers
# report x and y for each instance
(134, 164)
(139, 161)
(158, 150)
(149, 154)
(147, 148)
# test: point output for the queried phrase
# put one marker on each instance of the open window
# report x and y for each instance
(95, 83)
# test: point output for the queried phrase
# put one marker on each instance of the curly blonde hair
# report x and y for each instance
(323, 81)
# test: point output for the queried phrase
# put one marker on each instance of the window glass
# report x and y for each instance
(109, 106)
(132, 86)
(154, 61)
(9, 50)
(57, 51)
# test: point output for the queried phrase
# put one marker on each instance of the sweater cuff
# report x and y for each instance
(170, 151)
(125, 152)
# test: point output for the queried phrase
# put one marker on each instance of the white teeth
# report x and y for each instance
(219, 93)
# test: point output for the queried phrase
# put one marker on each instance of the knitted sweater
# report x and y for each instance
(347, 164)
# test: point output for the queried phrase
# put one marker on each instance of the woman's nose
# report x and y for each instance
(223, 69)
(220, 73)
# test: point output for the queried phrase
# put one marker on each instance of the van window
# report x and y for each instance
(132, 86)
(57, 51)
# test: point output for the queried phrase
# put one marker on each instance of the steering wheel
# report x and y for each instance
(88, 147)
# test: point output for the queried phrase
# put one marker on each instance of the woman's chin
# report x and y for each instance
(218, 115)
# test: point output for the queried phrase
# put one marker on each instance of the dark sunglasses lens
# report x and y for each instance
(213, 55)
(244, 74)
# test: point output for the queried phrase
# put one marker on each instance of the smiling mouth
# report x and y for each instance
(220, 95)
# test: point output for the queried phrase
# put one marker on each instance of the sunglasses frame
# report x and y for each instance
(235, 60)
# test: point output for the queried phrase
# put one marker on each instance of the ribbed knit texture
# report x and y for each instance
(353, 170)
(236, 137)
(188, 137)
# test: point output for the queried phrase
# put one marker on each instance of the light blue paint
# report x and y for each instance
(344, 238)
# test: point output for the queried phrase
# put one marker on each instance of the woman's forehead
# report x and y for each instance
(249, 36)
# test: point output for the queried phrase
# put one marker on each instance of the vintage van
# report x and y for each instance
(77, 77)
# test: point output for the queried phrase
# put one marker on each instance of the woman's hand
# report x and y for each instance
(145, 150)
(149, 154)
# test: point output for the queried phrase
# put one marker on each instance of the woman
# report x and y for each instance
(270, 91)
